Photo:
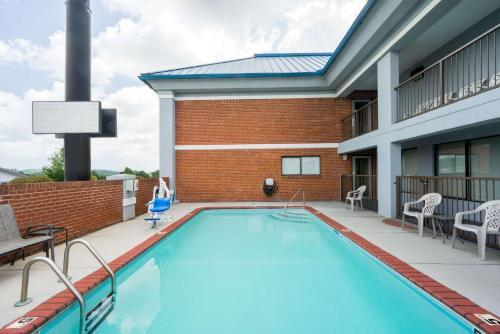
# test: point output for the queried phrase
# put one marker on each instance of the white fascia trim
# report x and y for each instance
(256, 96)
(166, 95)
(389, 45)
(254, 147)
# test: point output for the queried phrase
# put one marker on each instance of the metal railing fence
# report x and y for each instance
(470, 70)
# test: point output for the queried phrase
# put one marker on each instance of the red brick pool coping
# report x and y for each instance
(455, 301)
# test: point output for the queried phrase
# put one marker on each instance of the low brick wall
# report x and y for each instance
(81, 206)
(145, 194)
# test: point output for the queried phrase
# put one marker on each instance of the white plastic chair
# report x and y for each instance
(431, 201)
(355, 196)
(491, 225)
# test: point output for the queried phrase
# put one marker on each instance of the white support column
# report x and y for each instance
(167, 137)
(388, 154)
(387, 80)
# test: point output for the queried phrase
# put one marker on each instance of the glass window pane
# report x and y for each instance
(451, 162)
(485, 162)
(310, 166)
(451, 159)
(409, 162)
(485, 157)
(290, 166)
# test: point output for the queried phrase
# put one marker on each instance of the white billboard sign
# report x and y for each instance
(66, 117)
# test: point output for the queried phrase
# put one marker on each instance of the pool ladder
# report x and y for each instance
(293, 198)
(88, 320)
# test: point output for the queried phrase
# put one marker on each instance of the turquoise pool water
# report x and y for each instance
(244, 271)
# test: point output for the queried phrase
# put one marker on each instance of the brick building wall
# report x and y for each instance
(238, 175)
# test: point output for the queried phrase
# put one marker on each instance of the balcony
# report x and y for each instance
(459, 194)
(361, 121)
(468, 71)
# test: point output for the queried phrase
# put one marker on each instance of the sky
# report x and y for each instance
(130, 37)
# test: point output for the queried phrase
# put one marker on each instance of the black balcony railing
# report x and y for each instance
(470, 70)
(353, 182)
(361, 121)
(459, 194)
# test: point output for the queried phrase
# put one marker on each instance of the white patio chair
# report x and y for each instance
(491, 225)
(355, 196)
(431, 201)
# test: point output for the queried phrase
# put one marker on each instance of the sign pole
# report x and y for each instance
(77, 160)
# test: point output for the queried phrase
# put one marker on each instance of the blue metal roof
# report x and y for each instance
(264, 64)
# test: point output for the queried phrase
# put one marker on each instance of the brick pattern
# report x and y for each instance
(260, 121)
(239, 175)
(453, 300)
(145, 193)
(363, 94)
(80, 206)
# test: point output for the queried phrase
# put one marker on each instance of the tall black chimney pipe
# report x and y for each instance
(77, 146)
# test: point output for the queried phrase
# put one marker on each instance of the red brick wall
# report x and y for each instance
(260, 121)
(81, 206)
(237, 175)
(145, 194)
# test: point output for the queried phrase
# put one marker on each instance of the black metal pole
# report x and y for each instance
(77, 146)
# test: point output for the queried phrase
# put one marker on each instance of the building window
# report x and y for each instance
(471, 158)
(300, 166)
(451, 159)
(409, 162)
(485, 157)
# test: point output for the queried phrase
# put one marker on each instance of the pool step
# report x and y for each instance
(292, 216)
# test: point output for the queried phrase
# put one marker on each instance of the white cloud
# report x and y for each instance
(137, 143)
(18, 147)
(154, 35)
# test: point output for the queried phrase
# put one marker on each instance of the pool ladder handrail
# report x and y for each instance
(96, 255)
(24, 300)
(293, 198)
(64, 278)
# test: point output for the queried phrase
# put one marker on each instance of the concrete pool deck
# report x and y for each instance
(459, 269)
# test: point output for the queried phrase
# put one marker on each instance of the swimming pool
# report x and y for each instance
(251, 271)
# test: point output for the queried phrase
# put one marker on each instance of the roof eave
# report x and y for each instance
(146, 77)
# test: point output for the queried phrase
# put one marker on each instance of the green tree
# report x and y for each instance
(31, 179)
(155, 173)
(55, 170)
(139, 173)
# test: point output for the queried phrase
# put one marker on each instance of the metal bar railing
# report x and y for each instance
(95, 254)
(467, 71)
(25, 282)
(350, 182)
(459, 194)
(293, 198)
(361, 121)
